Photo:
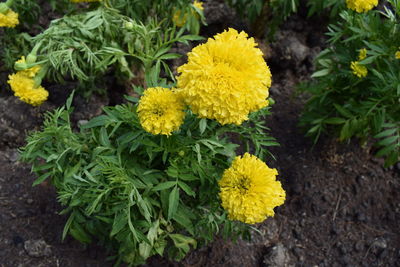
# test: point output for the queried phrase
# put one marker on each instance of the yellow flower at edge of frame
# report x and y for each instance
(361, 6)
(9, 19)
(24, 88)
(397, 54)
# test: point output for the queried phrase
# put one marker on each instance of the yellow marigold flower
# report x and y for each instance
(161, 111)
(198, 4)
(362, 54)
(24, 88)
(359, 70)
(31, 72)
(361, 5)
(226, 78)
(397, 54)
(180, 20)
(249, 190)
(9, 19)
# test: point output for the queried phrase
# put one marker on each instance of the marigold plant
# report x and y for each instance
(359, 98)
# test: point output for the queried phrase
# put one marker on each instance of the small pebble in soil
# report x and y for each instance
(37, 248)
(277, 256)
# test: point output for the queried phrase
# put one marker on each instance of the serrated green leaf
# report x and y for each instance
(173, 202)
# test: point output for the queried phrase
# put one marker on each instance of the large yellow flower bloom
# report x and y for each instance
(226, 78)
(24, 88)
(361, 5)
(161, 111)
(249, 190)
(9, 19)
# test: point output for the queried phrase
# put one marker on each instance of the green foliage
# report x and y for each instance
(270, 12)
(363, 107)
(137, 193)
(331, 7)
(161, 10)
(84, 46)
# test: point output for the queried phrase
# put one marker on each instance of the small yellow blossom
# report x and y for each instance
(397, 54)
(361, 5)
(180, 19)
(160, 111)
(9, 19)
(24, 88)
(30, 72)
(359, 70)
(226, 78)
(362, 54)
(199, 5)
(249, 191)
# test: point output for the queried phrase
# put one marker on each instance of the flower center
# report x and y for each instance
(158, 111)
(243, 184)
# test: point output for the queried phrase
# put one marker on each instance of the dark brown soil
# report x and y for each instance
(342, 206)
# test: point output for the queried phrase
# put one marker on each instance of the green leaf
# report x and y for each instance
(79, 234)
(69, 100)
(119, 223)
(386, 150)
(388, 140)
(97, 121)
(335, 120)
(104, 140)
(343, 111)
(186, 188)
(202, 125)
(41, 178)
(320, 73)
(386, 133)
(173, 202)
(345, 132)
(164, 186)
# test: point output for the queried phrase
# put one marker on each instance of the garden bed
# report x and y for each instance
(342, 207)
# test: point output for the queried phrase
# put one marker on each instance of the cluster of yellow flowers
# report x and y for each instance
(180, 19)
(9, 19)
(249, 190)
(226, 78)
(161, 111)
(23, 85)
(361, 5)
(359, 70)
